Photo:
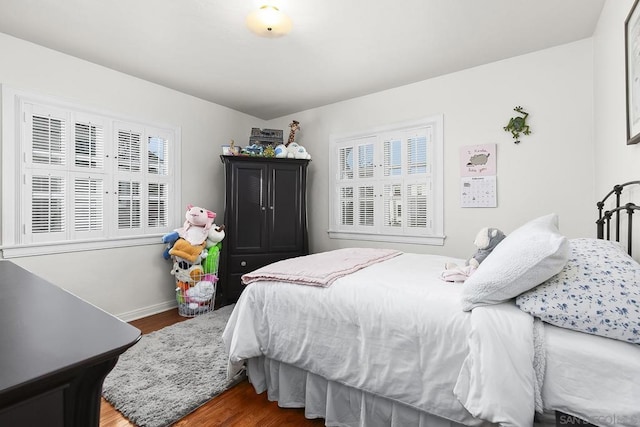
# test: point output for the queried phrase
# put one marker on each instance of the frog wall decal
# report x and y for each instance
(518, 125)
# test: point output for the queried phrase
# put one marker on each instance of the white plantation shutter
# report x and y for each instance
(417, 154)
(392, 157)
(88, 198)
(346, 163)
(158, 204)
(48, 140)
(365, 161)
(48, 204)
(390, 194)
(129, 149)
(157, 156)
(158, 184)
(89, 146)
(88, 154)
(392, 202)
(346, 206)
(366, 206)
(417, 205)
(129, 205)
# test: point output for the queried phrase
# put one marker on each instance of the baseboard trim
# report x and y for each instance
(147, 311)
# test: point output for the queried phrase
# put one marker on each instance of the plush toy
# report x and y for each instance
(197, 225)
(170, 239)
(295, 151)
(486, 240)
(196, 273)
(215, 235)
(210, 264)
(200, 294)
(281, 151)
(295, 126)
(181, 271)
(253, 150)
(192, 253)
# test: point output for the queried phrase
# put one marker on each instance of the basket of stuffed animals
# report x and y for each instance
(196, 283)
(195, 251)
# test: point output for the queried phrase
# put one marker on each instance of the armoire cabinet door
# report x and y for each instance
(249, 208)
(284, 211)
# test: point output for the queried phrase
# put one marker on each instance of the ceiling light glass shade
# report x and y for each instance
(269, 21)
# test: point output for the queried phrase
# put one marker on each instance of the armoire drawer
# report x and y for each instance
(247, 263)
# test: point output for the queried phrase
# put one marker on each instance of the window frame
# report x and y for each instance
(18, 170)
(430, 234)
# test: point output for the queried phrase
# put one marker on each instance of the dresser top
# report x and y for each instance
(47, 330)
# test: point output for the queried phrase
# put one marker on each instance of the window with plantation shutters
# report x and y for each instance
(388, 183)
(82, 178)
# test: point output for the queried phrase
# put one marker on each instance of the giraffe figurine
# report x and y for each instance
(295, 125)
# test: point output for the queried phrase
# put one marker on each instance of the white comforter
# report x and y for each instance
(394, 329)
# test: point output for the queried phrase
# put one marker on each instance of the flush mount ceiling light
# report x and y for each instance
(269, 21)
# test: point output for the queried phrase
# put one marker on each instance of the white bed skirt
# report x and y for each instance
(338, 404)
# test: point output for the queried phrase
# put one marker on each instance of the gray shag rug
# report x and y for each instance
(172, 371)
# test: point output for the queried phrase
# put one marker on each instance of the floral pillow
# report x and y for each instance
(597, 292)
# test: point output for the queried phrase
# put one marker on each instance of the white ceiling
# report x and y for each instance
(338, 49)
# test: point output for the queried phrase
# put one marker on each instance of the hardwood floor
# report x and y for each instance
(239, 406)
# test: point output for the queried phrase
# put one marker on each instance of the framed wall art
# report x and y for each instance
(632, 64)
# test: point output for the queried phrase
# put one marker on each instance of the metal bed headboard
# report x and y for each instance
(604, 217)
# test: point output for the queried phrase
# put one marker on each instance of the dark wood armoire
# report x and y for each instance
(265, 217)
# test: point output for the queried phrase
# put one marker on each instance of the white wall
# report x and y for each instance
(551, 170)
(129, 282)
(616, 162)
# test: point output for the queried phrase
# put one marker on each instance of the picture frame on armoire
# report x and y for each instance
(632, 73)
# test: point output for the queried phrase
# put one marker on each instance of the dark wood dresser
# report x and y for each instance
(55, 351)
(265, 216)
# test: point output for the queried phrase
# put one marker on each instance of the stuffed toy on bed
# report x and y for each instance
(486, 240)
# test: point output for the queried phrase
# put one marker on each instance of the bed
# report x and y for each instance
(546, 330)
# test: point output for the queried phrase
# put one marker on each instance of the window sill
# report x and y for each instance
(18, 251)
(416, 240)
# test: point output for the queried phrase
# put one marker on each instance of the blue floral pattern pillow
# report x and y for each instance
(597, 292)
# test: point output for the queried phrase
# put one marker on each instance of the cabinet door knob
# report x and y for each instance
(262, 208)
(243, 263)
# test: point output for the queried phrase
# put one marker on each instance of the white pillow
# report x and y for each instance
(525, 258)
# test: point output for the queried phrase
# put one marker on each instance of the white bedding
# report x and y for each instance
(395, 330)
(592, 377)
